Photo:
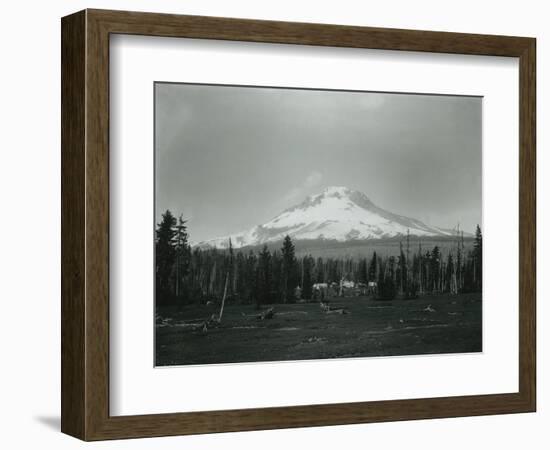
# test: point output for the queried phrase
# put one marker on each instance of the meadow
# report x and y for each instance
(355, 327)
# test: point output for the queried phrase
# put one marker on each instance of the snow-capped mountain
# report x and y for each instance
(337, 213)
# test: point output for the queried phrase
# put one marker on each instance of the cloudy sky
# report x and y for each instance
(229, 158)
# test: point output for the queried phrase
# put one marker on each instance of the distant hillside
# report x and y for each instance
(365, 248)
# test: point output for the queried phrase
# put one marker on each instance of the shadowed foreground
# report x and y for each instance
(431, 324)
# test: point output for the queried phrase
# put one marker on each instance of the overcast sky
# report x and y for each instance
(229, 158)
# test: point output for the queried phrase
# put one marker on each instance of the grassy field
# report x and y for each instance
(431, 324)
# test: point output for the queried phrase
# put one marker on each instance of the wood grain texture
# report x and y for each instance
(85, 224)
(151, 24)
(73, 109)
(527, 224)
(97, 225)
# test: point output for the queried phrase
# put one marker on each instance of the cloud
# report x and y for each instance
(299, 192)
(313, 179)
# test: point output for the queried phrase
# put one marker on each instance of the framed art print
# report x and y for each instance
(330, 274)
(272, 224)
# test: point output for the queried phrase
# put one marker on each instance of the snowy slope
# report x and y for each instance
(337, 213)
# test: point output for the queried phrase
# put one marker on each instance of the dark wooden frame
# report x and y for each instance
(85, 224)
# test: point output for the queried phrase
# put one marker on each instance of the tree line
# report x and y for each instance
(187, 275)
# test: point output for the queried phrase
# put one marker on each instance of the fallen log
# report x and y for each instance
(213, 322)
(337, 311)
(429, 309)
(327, 309)
(268, 314)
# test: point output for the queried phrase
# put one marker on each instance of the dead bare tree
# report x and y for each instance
(223, 298)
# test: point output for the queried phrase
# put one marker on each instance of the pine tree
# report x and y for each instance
(165, 255)
(277, 277)
(373, 268)
(320, 271)
(307, 284)
(386, 283)
(289, 267)
(240, 285)
(251, 278)
(264, 277)
(182, 258)
(478, 260)
(363, 271)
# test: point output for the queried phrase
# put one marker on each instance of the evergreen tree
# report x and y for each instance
(386, 283)
(165, 255)
(240, 269)
(307, 284)
(289, 269)
(332, 272)
(182, 258)
(373, 268)
(478, 260)
(417, 271)
(251, 278)
(264, 277)
(363, 271)
(277, 277)
(320, 271)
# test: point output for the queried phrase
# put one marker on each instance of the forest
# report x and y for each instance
(185, 275)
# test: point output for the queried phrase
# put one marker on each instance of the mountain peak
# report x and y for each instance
(337, 213)
(337, 190)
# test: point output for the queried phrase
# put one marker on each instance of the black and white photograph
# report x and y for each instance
(265, 225)
(303, 224)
